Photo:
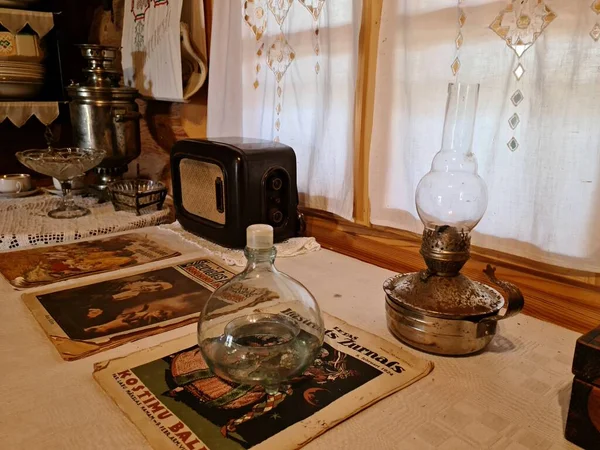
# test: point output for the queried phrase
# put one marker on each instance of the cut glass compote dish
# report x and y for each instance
(64, 164)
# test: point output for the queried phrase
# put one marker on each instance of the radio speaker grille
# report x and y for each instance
(203, 190)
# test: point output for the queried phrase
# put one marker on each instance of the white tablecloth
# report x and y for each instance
(514, 396)
(25, 223)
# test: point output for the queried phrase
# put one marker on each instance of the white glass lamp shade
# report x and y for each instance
(452, 193)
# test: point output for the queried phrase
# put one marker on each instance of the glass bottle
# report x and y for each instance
(452, 193)
(262, 327)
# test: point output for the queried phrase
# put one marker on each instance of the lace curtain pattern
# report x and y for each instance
(536, 137)
(285, 70)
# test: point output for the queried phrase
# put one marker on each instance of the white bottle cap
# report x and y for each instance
(259, 236)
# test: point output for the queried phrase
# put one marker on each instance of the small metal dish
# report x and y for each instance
(141, 196)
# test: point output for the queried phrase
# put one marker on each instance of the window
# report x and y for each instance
(358, 89)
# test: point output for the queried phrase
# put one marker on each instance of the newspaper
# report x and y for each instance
(88, 318)
(169, 393)
(41, 266)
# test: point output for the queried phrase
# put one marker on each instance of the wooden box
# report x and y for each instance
(586, 363)
(583, 422)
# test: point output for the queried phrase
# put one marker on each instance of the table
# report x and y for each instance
(514, 396)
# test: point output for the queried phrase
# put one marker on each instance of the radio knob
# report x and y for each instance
(276, 184)
(276, 216)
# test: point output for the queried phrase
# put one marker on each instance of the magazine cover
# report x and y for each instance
(171, 395)
(44, 265)
(89, 318)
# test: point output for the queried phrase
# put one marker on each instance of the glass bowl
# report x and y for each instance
(64, 164)
(137, 195)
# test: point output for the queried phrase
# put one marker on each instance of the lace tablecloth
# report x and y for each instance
(24, 222)
(235, 257)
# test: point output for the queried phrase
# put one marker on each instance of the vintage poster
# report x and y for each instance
(171, 395)
(40, 266)
(89, 318)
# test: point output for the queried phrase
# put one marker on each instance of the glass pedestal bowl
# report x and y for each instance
(64, 164)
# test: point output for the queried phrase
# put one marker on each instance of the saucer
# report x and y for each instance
(59, 191)
(28, 193)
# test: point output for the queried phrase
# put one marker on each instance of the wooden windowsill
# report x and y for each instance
(550, 293)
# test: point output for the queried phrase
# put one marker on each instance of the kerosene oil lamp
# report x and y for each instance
(440, 310)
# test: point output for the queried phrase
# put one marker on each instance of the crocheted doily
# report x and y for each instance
(234, 257)
(24, 222)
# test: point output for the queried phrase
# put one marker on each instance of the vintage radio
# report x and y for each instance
(221, 186)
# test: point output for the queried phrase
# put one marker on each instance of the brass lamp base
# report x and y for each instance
(445, 250)
(441, 311)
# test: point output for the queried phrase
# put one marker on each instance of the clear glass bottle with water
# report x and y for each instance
(262, 327)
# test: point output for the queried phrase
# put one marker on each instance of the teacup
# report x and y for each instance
(14, 183)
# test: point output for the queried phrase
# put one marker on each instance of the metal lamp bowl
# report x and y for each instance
(444, 334)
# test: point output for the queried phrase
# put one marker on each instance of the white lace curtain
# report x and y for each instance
(537, 136)
(286, 70)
